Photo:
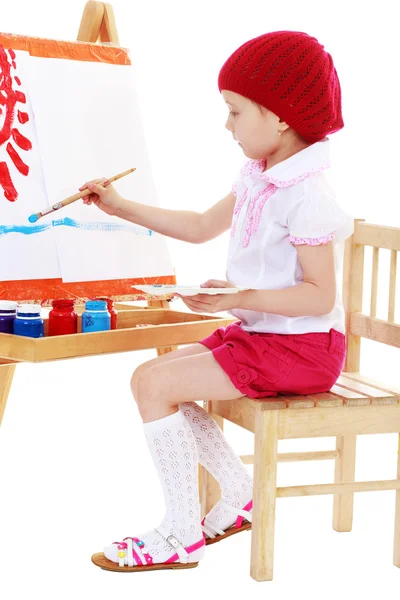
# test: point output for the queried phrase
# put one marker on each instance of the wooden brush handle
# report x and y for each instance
(80, 195)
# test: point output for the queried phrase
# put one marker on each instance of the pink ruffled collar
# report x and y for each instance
(294, 169)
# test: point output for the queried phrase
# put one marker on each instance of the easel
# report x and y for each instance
(169, 328)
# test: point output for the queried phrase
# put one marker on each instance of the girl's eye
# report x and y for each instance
(232, 113)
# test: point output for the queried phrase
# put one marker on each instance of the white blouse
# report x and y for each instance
(289, 204)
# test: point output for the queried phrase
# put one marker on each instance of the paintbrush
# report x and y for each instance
(35, 217)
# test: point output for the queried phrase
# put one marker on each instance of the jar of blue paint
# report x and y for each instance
(8, 311)
(28, 321)
(96, 316)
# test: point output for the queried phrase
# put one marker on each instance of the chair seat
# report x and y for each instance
(351, 389)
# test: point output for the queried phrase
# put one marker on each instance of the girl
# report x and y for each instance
(287, 235)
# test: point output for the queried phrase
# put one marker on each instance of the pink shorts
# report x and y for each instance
(268, 364)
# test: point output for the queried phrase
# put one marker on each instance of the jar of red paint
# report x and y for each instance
(63, 319)
(111, 310)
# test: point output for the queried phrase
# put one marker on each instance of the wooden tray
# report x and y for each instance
(166, 328)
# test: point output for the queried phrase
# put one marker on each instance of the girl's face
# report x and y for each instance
(256, 130)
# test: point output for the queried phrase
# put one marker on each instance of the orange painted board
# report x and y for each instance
(44, 48)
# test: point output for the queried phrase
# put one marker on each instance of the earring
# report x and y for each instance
(279, 132)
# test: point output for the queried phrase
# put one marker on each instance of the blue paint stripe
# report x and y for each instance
(67, 222)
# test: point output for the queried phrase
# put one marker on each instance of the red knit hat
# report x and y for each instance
(291, 74)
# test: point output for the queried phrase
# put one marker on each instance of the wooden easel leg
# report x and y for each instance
(161, 304)
(92, 18)
(345, 466)
(108, 29)
(264, 494)
(396, 547)
(209, 488)
(6, 377)
(98, 22)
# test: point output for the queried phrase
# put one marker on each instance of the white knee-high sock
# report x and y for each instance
(218, 457)
(174, 452)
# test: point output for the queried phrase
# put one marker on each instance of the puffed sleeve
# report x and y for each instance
(318, 219)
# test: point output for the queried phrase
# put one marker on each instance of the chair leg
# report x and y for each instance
(264, 494)
(345, 466)
(209, 488)
(396, 549)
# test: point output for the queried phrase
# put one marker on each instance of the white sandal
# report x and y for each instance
(243, 523)
(132, 549)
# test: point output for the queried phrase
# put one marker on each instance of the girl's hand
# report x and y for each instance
(103, 196)
(210, 304)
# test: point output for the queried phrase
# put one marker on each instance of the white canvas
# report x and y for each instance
(24, 253)
(83, 123)
(88, 127)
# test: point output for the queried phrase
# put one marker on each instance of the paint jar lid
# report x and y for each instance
(96, 305)
(28, 309)
(110, 301)
(63, 303)
(8, 306)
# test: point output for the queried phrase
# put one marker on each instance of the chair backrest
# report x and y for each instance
(359, 324)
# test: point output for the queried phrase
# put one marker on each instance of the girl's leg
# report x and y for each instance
(219, 458)
(180, 353)
(159, 390)
(214, 451)
(174, 452)
(165, 384)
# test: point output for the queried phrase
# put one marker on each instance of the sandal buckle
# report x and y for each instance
(171, 539)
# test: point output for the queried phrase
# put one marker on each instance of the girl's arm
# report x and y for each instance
(315, 296)
(185, 225)
(217, 219)
(188, 226)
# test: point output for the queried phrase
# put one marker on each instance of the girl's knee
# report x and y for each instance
(149, 386)
(137, 373)
(134, 380)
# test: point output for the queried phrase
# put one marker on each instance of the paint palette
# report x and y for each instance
(185, 290)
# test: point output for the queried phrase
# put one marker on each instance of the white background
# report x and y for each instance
(70, 482)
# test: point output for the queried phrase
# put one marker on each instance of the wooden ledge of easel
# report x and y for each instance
(166, 328)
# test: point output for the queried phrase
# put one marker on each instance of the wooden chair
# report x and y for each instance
(355, 405)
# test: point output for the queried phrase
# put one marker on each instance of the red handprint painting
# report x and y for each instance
(11, 102)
